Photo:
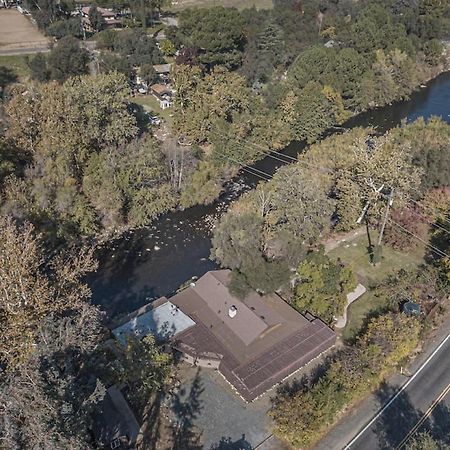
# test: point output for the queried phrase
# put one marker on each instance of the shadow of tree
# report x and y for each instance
(229, 444)
(187, 408)
(401, 417)
(395, 423)
(7, 76)
(440, 423)
(152, 423)
(295, 385)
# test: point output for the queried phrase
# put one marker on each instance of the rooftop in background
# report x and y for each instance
(162, 68)
(105, 12)
(255, 342)
(163, 321)
(114, 421)
(161, 89)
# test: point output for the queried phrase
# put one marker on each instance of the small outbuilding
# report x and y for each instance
(114, 424)
(411, 308)
(163, 93)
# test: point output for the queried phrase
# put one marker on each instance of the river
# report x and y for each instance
(152, 262)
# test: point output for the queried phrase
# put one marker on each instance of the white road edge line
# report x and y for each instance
(392, 400)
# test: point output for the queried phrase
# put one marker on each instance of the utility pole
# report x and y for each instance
(373, 250)
(378, 249)
(386, 215)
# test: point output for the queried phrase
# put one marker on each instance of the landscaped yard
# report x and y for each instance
(17, 63)
(151, 105)
(355, 254)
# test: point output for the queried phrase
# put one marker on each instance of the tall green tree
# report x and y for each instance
(312, 65)
(67, 59)
(323, 286)
(96, 19)
(61, 126)
(217, 32)
(299, 204)
(312, 111)
(39, 68)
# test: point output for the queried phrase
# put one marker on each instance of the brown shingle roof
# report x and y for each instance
(160, 89)
(246, 325)
(268, 341)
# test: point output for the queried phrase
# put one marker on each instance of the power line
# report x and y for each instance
(254, 174)
(435, 249)
(427, 208)
(265, 176)
(430, 222)
(254, 144)
(270, 154)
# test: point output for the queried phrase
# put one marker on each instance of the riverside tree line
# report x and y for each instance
(272, 239)
(78, 161)
(102, 169)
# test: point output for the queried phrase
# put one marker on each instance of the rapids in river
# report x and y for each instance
(152, 262)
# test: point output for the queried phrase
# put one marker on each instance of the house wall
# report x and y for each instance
(208, 363)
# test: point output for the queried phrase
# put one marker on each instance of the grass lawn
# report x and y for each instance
(17, 63)
(154, 29)
(240, 4)
(356, 256)
(151, 104)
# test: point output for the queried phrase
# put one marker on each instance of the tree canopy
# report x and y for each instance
(66, 59)
(217, 33)
(323, 286)
(89, 169)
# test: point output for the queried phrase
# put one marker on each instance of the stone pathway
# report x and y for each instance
(360, 290)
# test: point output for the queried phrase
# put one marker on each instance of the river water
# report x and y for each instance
(154, 261)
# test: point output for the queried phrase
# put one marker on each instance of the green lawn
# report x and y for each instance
(356, 256)
(151, 105)
(17, 63)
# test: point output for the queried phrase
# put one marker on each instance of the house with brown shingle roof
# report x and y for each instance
(256, 342)
(163, 93)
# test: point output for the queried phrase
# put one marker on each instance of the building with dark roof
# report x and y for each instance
(114, 424)
(254, 343)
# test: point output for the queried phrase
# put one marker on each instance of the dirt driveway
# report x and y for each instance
(17, 32)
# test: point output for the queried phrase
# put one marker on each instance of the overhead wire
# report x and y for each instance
(265, 176)
(271, 153)
(435, 249)
(433, 224)
(427, 208)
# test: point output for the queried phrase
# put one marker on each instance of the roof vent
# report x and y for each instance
(232, 311)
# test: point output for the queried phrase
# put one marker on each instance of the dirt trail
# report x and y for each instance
(337, 239)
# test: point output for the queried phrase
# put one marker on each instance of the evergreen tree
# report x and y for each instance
(67, 59)
(96, 19)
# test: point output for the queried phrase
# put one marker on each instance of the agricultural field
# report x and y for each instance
(17, 33)
(240, 4)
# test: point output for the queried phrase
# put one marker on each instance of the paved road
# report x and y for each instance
(24, 51)
(405, 411)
